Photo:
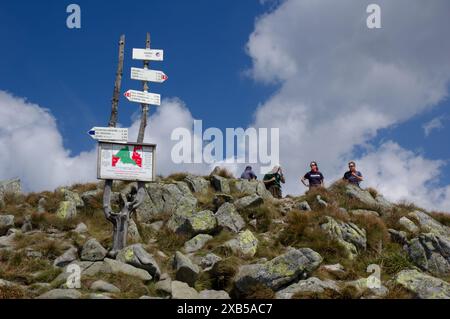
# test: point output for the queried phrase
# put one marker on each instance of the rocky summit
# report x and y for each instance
(218, 237)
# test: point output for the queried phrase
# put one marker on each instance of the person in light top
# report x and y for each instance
(314, 177)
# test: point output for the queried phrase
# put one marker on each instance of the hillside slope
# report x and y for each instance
(220, 237)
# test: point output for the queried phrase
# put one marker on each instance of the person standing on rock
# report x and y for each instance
(314, 177)
(273, 181)
(248, 174)
(352, 175)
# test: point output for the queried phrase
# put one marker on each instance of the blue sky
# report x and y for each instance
(71, 72)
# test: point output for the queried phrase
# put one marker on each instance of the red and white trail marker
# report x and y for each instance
(143, 97)
(148, 75)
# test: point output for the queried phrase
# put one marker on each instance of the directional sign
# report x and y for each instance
(148, 54)
(148, 75)
(143, 97)
(119, 135)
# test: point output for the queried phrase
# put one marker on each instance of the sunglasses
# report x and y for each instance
(351, 166)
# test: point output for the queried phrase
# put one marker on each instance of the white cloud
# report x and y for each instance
(340, 82)
(433, 125)
(32, 148)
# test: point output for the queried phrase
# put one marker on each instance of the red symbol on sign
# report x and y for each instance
(165, 77)
(127, 94)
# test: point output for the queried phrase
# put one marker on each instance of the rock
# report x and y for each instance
(423, 285)
(160, 198)
(383, 203)
(93, 251)
(193, 223)
(42, 203)
(209, 260)
(245, 244)
(164, 286)
(214, 294)
(348, 235)
(398, 236)
(66, 258)
(186, 270)
(138, 257)
(252, 187)
(27, 226)
(248, 201)
(7, 242)
(72, 197)
(133, 232)
(196, 243)
(364, 213)
(197, 184)
(311, 285)
(279, 271)
(429, 224)
(81, 228)
(362, 286)
(408, 225)
(118, 267)
(431, 253)
(360, 194)
(104, 286)
(181, 290)
(321, 202)
(98, 296)
(66, 210)
(6, 222)
(228, 217)
(11, 186)
(61, 294)
(156, 226)
(304, 206)
(336, 268)
(220, 184)
(89, 196)
(253, 223)
(220, 199)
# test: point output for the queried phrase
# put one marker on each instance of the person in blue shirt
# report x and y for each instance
(314, 177)
(352, 175)
(248, 174)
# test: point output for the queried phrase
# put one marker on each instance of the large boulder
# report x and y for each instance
(409, 225)
(66, 258)
(311, 285)
(133, 232)
(72, 197)
(138, 257)
(93, 251)
(431, 253)
(228, 217)
(6, 223)
(181, 290)
(196, 243)
(67, 210)
(118, 267)
(245, 244)
(193, 223)
(423, 285)
(197, 184)
(161, 198)
(220, 184)
(279, 271)
(366, 197)
(252, 187)
(429, 225)
(103, 286)
(186, 270)
(249, 201)
(11, 186)
(348, 235)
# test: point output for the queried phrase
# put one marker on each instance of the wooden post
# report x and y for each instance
(117, 84)
(145, 107)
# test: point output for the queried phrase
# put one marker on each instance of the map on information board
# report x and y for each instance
(130, 162)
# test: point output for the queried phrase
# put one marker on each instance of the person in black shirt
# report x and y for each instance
(314, 177)
(352, 175)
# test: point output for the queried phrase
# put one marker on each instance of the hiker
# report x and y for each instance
(314, 177)
(248, 174)
(273, 181)
(352, 175)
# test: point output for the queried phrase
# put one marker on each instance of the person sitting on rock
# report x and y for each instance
(273, 181)
(248, 174)
(314, 177)
(352, 175)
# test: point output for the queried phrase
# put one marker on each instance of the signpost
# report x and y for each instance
(148, 75)
(143, 97)
(126, 162)
(148, 54)
(119, 135)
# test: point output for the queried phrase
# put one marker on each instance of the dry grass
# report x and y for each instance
(224, 172)
(81, 188)
(169, 242)
(223, 272)
(12, 292)
(130, 287)
(443, 218)
(177, 177)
